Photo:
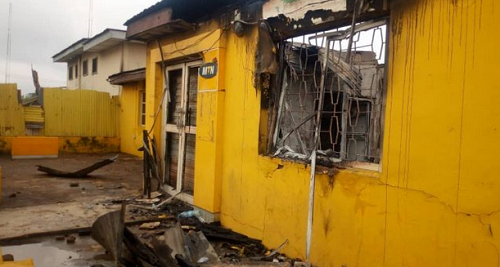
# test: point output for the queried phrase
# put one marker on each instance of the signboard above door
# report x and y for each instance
(208, 70)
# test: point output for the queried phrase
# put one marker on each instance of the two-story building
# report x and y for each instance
(90, 61)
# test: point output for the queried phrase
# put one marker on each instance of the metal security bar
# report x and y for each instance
(352, 113)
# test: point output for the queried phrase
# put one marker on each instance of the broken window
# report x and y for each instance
(344, 76)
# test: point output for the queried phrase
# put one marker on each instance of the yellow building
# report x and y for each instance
(132, 109)
(406, 151)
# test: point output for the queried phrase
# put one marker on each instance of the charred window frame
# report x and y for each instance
(353, 101)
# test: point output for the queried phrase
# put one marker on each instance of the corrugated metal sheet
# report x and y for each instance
(83, 113)
(11, 111)
(34, 114)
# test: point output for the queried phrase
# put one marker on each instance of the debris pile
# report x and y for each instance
(171, 233)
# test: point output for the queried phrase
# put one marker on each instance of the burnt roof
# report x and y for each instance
(188, 10)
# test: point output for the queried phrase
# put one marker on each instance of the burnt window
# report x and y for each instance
(94, 65)
(338, 81)
(85, 68)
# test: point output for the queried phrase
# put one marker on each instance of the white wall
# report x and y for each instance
(122, 57)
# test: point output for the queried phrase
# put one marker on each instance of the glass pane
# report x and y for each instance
(192, 96)
(175, 85)
(188, 181)
(172, 159)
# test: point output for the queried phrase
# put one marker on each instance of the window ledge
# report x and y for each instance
(353, 166)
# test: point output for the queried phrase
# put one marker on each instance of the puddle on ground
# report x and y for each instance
(49, 252)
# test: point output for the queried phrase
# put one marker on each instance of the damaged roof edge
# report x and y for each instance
(187, 10)
(303, 17)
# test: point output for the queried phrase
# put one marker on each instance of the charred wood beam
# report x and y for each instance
(77, 174)
(284, 28)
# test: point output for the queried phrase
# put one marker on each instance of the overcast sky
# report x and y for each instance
(42, 28)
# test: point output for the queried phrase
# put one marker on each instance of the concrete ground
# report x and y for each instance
(34, 203)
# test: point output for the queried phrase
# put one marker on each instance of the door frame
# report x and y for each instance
(185, 129)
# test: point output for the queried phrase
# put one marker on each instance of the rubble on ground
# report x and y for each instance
(163, 231)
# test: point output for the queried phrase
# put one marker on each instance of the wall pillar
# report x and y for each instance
(208, 159)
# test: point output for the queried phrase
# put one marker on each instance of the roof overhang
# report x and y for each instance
(176, 16)
(102, 41)
(136, 29)
(70, 52)
(128, 77)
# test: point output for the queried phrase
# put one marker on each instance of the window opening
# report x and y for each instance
(70, 73)
(85, 67)
(353, 99)
(94, 66)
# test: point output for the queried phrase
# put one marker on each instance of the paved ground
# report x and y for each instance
(33, 202)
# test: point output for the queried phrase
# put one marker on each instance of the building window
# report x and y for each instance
(76, 71)
(70, 73)
(94, 66)
(320, 77)
(142, 107)
(85, 68)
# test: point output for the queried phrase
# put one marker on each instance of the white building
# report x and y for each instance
(90, 61)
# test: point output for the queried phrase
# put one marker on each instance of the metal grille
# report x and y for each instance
(353, 83)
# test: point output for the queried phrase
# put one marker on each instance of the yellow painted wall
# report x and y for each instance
(84, 113)
(5, 144)
(0, 187)
(11, 111)
(39, 146)
(89, 144)
(207, 42)
(130, 124)
(436, 201)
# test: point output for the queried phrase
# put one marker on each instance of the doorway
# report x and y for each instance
(180, 129)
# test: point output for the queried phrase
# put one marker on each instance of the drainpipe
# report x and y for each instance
(312, 180)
